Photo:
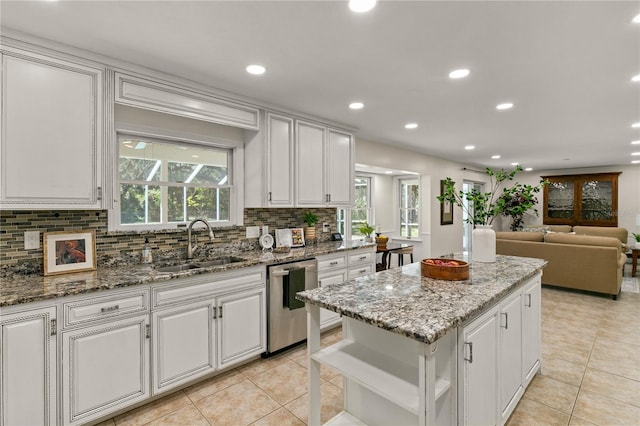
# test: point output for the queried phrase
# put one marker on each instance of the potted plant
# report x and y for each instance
(310, 219)
(366, 230)
(483, 207)
(637, 238)
(517, 201)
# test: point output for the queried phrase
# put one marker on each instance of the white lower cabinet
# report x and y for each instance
(174, 329)
(28, 366)
(206, 323)
(241, 325)
(510, 357)
(531, 333)
(337, 268)
(104, 368)
(478, 367)
(500, 354)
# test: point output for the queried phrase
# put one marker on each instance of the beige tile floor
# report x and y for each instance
(590, 376)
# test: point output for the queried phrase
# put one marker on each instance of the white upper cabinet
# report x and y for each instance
(280, 161)
(52, 132)
(339, 168)
(177, 100)
(310, 176)
(296, 163)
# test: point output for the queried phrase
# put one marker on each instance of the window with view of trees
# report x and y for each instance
(163, 182)
(409, 207)
(360, 212)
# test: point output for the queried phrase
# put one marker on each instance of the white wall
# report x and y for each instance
(442, 239)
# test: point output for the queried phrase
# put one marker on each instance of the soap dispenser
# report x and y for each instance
(147, 257)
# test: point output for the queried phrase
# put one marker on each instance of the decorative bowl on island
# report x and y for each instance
(445, 269)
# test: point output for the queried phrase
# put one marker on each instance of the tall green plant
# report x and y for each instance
(483, 207)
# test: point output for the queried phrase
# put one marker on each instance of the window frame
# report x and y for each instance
(235, 165)
(398, 187)
(348, 212)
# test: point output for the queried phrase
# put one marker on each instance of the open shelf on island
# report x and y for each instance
(393, 380)
(344, 419)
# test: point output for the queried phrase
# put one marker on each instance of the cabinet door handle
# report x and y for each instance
(527, 301)
(53, 327)
(148, 331)
(215, 312)
(506, 320)
(363, 257)
(334, 263)
(110, 308)
(269, 196)
(220, 310)
(362, 271)
(470, 346)
(99, 193)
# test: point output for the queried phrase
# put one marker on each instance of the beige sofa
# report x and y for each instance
(589, 258)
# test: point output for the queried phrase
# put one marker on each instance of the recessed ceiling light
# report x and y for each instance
(506, 105)
(495, 157)
(635, 125)
(360, 6)
(411, 125)
(195, 156)
(635, 162)
(636, 78)
(389, 172)
(635, 153)
(356, 105)
(256, 69)
(514, 164)
(636, 19)
(469, 147)
(461, 73)
(635, 142)
(528, 169)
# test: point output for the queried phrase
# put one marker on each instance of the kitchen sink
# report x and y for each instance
(178, 268)
(220, 261)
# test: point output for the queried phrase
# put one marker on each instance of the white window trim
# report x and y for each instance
(396, 214)
(236, 215)
(372, 211)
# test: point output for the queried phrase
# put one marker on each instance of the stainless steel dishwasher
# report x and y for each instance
(286, 327)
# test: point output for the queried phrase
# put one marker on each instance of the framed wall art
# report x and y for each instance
(446, 209)
(69, 251)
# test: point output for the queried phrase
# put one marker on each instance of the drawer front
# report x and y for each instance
(95, 309)
(360, 271)
(331, 263)
(191, 289)
(361, 258)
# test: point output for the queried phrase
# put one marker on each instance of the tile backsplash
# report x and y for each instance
(121, 248)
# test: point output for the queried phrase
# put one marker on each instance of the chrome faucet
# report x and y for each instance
(193, 245)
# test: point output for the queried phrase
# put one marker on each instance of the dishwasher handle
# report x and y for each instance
(283, 272)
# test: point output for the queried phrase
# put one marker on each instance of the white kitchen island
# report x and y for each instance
(422, 351)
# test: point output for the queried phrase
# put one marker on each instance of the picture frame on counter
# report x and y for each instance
(446, 209)
(69, 251)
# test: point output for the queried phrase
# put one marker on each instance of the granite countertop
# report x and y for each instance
(19, 289)
(424, 309)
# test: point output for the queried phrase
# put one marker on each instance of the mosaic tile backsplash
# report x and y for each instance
(123, 248)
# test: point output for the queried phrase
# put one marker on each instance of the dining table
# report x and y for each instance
(386, 251)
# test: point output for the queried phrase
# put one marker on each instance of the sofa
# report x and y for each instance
(587, 258)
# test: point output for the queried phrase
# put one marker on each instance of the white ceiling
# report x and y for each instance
(566, 65)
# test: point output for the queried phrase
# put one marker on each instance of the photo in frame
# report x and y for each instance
(446, 209)
(69, 251)
(297, 237)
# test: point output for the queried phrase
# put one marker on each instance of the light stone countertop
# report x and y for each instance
(424, 309)
(19, 289)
